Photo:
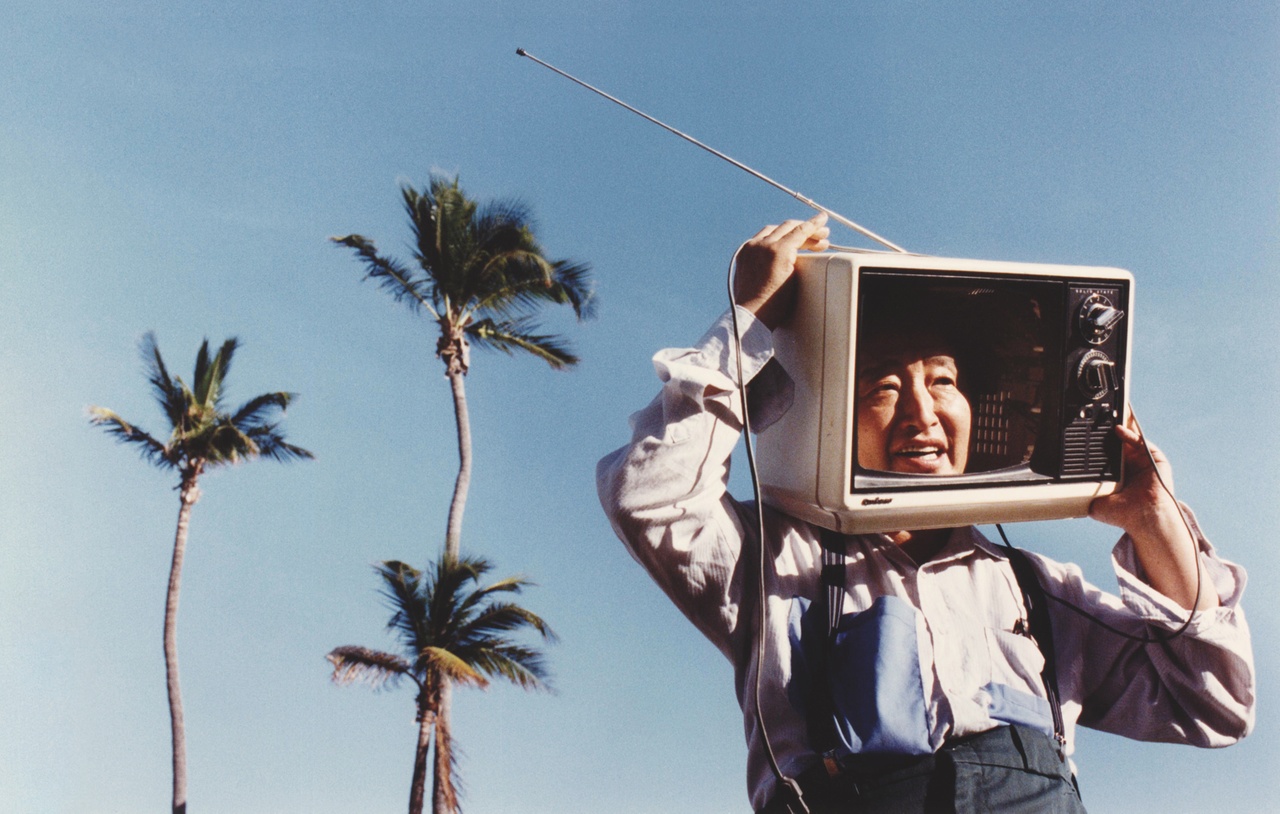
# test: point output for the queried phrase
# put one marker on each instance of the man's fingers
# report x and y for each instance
(1137, 443)
(795, 227)
(817, 242)
(794, 230)
(791, 230)
(1128, 434)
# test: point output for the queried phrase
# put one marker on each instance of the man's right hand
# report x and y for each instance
(763, 278)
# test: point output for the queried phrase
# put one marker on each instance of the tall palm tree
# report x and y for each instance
(479, 273)
(203, 435)
(451, 633)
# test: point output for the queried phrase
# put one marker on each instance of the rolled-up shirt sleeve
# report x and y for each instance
(1167, 683)
(665, 491)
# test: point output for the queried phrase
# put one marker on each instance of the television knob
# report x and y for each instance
(1098, 318)
(1096, 374)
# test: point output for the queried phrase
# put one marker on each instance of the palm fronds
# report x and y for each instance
(449, 627)
(256, 409)
(452, 666)
(166, 391)
(201, 432)
(517, 335)
(523, 666)
(360, 665)
(211, 372)
(451, 633)
(394, 278)
(572, 282)
(152, 450)
(479, 269)
(271, 445)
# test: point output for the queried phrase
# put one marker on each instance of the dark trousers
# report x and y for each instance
(1007, 769)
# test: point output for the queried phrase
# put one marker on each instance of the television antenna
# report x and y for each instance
(804, 199)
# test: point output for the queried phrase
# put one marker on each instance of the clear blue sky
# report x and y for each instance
(178, 168)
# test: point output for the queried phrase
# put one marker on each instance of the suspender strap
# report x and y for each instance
(1033, 597)
(833, 578)
(822, 728)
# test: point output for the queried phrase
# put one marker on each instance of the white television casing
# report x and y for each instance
(806, 459)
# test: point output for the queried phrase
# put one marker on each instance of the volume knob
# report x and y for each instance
(1096, 374)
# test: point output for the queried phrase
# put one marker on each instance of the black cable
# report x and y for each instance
(763, 606)
(1158, 639)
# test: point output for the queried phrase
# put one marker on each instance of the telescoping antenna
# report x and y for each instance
(804, 199)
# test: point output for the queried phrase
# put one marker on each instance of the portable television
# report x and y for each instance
(1043, 352)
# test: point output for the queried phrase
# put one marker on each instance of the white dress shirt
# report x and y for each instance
(665, 494)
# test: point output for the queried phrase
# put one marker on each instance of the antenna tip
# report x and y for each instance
(520, 52)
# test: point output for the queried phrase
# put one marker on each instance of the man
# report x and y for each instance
(956, 716)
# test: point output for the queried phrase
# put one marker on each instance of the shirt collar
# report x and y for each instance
(966, 542)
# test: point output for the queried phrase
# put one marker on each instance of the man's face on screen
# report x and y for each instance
(912, 417)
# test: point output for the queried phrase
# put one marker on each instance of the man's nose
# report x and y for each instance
(915, 407)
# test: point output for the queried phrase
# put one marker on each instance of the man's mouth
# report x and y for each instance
(927, 458)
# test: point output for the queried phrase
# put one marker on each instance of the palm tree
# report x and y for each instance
(451, 633)
(479, 273)
(203, 435)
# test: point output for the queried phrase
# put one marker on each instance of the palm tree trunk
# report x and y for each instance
(453, 533)
(188, 495)
(417, 790)
(444, 797)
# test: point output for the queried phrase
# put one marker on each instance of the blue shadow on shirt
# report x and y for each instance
(872, 667)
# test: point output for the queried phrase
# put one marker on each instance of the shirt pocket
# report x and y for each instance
(1015, 692)
(863, 687)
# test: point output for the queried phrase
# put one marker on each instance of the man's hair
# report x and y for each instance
(920, 317)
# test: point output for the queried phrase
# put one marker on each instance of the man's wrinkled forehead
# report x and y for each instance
(886, 364)
(894, 349)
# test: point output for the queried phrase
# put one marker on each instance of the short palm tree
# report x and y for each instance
(451, 632)
(479, 273)
(203, 435)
